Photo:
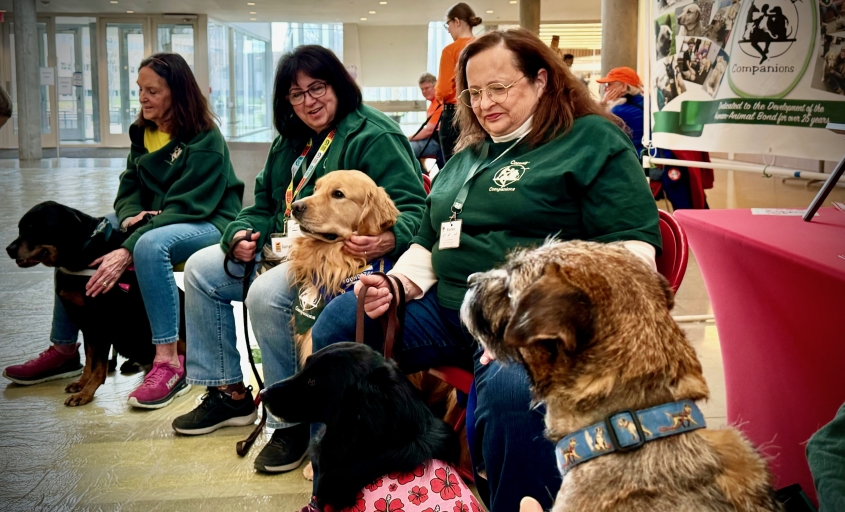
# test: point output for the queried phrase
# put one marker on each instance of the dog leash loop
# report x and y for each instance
(392, 320)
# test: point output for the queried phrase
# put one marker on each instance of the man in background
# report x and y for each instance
(425, 142)
(568, 59)
(623, 97)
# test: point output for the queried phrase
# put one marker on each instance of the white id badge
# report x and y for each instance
(281, 243)
(450, 234)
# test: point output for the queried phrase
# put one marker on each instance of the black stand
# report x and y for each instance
(831, 182)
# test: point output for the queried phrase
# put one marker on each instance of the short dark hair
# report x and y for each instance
(190, 113)
(568, 56)
(316, 62)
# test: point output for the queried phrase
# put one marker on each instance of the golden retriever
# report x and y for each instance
(591, 324)
(344, 203)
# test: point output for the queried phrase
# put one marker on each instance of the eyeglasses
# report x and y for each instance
(446, 25)
(496, 92)
(316, 90)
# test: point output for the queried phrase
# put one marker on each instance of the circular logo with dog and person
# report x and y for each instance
(774, 41)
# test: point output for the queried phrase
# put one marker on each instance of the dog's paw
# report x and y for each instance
(78, 399)
(75, 387)
(130, 366)
(308, 472)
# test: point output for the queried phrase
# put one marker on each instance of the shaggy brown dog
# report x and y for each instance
(591, 325)
(344, 203)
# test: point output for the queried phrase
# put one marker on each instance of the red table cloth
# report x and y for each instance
(777, 286)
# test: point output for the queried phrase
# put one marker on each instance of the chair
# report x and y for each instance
(672, 263)
(426, 183)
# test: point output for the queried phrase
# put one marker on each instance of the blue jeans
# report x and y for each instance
(154, 255)
(212, 355)
(430, 151)
(518, 459)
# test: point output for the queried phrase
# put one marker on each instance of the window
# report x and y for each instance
(253, 95)
(287, 36)
(177, 39)
(219, 77)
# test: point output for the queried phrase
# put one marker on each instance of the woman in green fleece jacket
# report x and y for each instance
(323, 127)
(179, 178)
(538, 157)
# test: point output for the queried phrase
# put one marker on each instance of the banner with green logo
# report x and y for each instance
(749, 76)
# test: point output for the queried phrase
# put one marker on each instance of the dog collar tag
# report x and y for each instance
(292, 229)
(450, 234)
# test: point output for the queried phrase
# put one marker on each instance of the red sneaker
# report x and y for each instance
(49, 365)
(160, 386)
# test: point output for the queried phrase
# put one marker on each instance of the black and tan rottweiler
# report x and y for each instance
(58, 236)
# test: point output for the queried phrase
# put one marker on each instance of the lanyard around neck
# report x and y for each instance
(290, 193)
(475, 170)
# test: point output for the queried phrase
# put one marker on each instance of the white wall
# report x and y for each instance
(391, 56)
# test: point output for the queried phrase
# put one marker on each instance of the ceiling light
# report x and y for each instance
(253, 12)
(113, 2)
(250, 3)
(253, 19)
(489, 12)
(382, 3)
(512, 2)
(130, 12)
(372, 12)
(363, 19)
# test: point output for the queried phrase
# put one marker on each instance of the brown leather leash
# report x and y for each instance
(391, 321)
(243, 446)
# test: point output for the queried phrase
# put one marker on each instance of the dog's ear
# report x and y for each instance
(552, 316)
(378, 214)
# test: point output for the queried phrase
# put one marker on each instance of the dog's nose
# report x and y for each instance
(12, 250)
(299, 208)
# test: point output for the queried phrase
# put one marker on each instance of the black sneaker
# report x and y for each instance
(286, 450)
(217, 410)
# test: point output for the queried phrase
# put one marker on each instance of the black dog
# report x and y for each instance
(58, 236)
(376, 421)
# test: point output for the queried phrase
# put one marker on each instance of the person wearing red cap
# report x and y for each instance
(623, 95)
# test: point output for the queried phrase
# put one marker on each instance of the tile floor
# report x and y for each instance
(106, 456)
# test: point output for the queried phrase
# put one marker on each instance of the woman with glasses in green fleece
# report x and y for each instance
(323, 127)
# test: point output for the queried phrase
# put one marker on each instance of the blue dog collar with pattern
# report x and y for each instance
(627, 430)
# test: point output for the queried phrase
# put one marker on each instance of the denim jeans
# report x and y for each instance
(213, 358)
(421, 150)
(518, 459)
(154, 255)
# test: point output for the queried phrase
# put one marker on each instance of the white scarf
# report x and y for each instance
(519, 132)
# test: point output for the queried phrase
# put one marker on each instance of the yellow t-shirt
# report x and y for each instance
(155, 140)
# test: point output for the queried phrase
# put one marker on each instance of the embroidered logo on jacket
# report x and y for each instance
(507, 175)
(176, 153)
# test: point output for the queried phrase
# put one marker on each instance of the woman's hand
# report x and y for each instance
(111, 268)
(378, 295)
(530, 505)
(136, 219)
(245, 251)
(371, 247)
(487, 356)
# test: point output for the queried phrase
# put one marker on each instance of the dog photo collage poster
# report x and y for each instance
(749, 76)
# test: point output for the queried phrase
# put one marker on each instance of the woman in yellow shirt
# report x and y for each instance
(459, 22)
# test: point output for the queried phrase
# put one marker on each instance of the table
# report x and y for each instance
(777, 287)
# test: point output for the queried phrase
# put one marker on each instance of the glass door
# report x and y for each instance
(177, 38)
(47, 137)
(76, 57)
(124, 46)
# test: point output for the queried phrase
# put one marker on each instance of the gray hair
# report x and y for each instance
(427, 78)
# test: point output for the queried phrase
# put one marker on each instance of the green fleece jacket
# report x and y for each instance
(367, 141)
(188, 182)
(584, 185)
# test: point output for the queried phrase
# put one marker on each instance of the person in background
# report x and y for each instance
(624, 97)
(568, 59)
(426, 142)
(459, 22)
(179, 173)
